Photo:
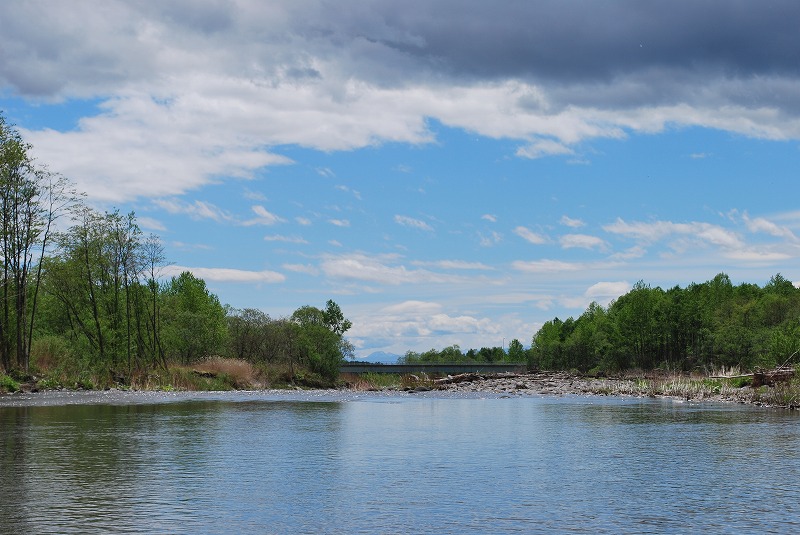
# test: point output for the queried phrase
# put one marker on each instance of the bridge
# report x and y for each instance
(432, 369)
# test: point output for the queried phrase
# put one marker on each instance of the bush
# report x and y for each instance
(8, 384)
(49, 352)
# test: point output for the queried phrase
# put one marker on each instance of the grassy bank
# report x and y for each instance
(215, 374)
(707, 388)
(731, 388)
(233, 374)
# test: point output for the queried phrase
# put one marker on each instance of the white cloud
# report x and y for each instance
(544, 147)
(196, 210)
(191, 96)
(583, 241)
(760, 224)
(605, 292)
(301, 268)
(263, 217)
(227, 274)
(149, 223)
(488, 240)
(346, 189)
(422, 319)
(379, 269)
(631, 253)
(657, 230)
(304, 221)
(543, 266)
(570, 222)
(339, 222)
(412, 223)
(285, 239)
(455, 264)
(530, 236)
(489, 217)
(191, 246)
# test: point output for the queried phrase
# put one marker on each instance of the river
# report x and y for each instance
(269, 462)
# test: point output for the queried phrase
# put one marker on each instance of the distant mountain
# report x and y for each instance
(380, 357)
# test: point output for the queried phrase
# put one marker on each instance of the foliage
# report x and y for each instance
(194, 322)
(454, 355)
(311, 341)
(8, 384)
(106, 317)
(704, 326)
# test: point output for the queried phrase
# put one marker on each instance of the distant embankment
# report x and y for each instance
(431, 369)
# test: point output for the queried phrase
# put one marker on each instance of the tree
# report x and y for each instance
(320, 338)
(516, 352)
(194, 324)
(31, 198)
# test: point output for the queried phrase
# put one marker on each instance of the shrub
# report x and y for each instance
(8, 384)
(49, 352)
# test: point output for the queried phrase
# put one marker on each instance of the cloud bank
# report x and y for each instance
(187, 93)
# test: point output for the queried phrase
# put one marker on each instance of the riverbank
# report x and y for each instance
(716, 389)
(784, 394)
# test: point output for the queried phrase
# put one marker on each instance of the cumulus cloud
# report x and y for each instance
(285, 239)
(227, 275)
(418, 224)
(760, 224)
(544, 147)
(191, 95)
(490, 239)
(530, 236)
(651, 232)
(570, 222)
(421, 319)
(455, 264)
(150, 223)
(582, 241)
(384, 269)
(605, 292)
(196, 210)
(544, 266)
(302, 268)
(263, 217)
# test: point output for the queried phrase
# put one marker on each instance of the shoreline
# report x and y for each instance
(676, 387)
(548, 384)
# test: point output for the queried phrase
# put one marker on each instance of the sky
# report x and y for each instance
(449, 172)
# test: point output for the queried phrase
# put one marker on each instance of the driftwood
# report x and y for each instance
(771, 377)
(763, 377)
(469, 377)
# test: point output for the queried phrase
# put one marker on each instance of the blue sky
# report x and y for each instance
(446, 172)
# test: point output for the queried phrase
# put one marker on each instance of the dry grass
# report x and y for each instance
(212, 374)
(240, 373)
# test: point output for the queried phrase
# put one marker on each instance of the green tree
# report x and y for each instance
(320, 338)
(194, 322)
(516, 352)
(31, 199)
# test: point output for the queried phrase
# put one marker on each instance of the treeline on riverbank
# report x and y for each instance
(454, 355)
(704, 326)
(84, 301)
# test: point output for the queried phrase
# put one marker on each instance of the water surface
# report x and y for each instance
(355, 463)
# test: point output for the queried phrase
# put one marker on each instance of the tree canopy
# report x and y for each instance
(706, 325)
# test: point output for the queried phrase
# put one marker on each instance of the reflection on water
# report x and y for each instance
(404, 465)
